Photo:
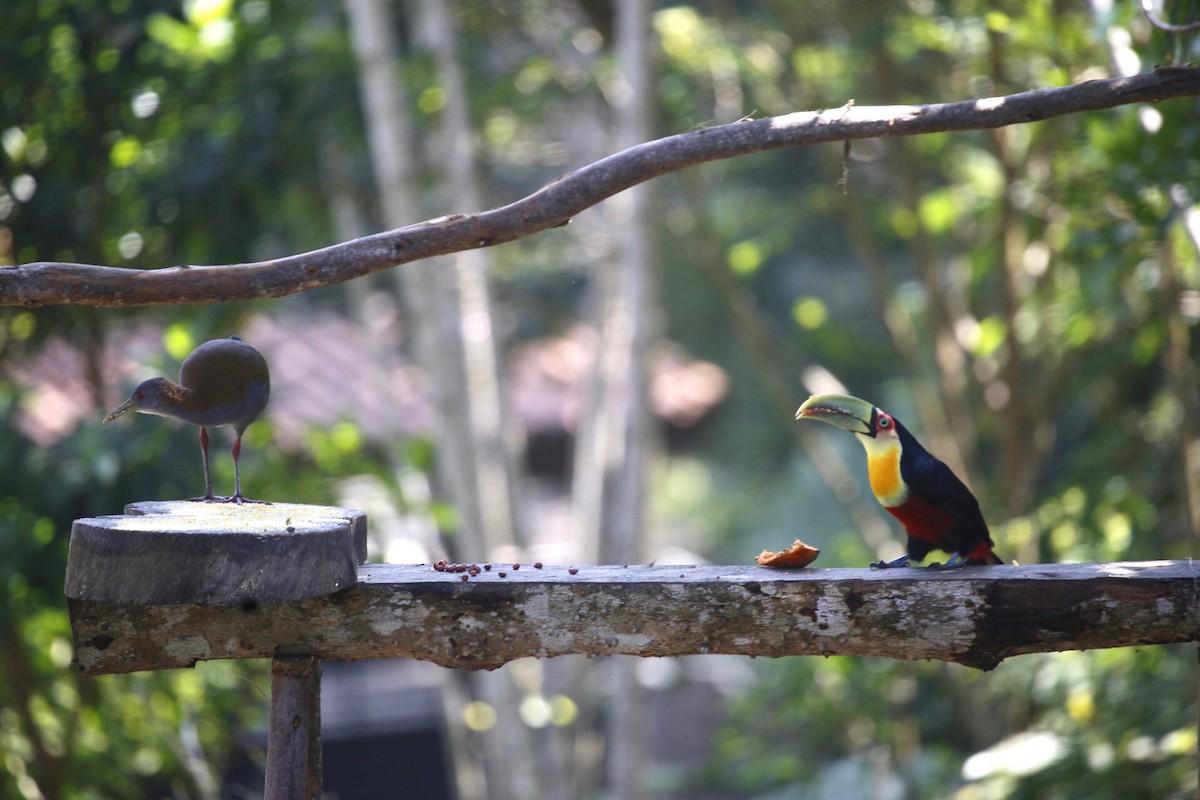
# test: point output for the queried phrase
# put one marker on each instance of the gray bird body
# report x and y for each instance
(223, 382)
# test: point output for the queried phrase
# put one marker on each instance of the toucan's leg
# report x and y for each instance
(208, 492)
(953, 562)
(902, 561)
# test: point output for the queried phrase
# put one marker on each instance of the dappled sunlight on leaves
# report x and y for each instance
(1027, 297)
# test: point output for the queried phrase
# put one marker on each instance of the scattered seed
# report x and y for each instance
(537, 565)
(516, 567)
(487, 567)
(573, 570)
(466, 578)
(503, 574)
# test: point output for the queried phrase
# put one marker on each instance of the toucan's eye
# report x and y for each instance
(885, 421)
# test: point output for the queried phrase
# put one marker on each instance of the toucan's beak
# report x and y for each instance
(128, 405)
(846, 412)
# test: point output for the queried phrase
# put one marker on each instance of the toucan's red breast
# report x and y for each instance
(923, 520)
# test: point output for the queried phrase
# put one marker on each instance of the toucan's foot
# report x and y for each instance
(895, 563)
(209, 498)
(953, 562)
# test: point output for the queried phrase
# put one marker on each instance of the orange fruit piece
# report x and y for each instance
(796, 556)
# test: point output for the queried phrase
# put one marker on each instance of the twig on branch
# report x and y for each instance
(57, 283)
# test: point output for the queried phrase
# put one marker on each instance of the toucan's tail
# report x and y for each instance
(983, 555)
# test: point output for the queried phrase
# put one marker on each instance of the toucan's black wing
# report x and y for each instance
(936, 484)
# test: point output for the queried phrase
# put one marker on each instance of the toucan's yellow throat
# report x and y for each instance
(877, 432)
(883, 469)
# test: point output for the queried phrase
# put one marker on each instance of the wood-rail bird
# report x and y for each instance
(223, 382)
(937, 510)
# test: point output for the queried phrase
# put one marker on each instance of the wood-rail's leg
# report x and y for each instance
(208, 492)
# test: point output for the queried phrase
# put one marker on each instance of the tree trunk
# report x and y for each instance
(611, 463)
(486, 495)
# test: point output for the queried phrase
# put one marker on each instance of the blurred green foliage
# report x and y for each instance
(1053, 260)
(62, 734)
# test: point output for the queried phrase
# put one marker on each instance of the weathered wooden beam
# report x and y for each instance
(976, 616)
(294, 730)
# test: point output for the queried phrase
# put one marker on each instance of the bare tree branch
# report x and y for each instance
(1162, 24)
(56, 283)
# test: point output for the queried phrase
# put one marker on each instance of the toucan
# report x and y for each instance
(937, 510)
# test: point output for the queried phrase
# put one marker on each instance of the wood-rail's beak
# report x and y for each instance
(128, 405)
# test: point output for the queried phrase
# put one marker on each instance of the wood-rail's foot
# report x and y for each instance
(235, 498)
(243, 500)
